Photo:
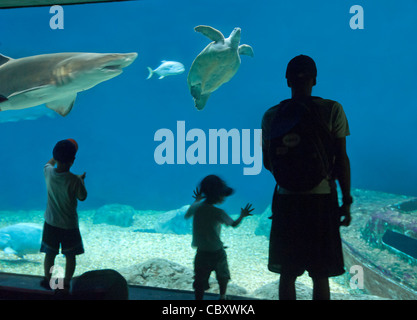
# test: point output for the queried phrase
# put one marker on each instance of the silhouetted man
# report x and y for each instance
(304, 147)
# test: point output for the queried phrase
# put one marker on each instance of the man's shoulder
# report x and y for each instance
(323, 103)
(269, 114)
(276, 107)
(271, 110)
(329, 103)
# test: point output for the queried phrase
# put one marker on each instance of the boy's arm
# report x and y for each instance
(81, 189)
(82, 194)
(189, 213)
(198, 197)
(52, 162)
(244, 212)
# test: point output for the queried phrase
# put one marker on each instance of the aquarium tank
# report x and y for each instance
(116, 79)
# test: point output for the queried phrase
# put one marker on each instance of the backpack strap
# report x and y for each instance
(312, 108)
(326, 151)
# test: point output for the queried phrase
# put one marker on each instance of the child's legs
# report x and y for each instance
(201, 282)
(50, 246)
(48, 264)
(72, 245)
(223, 286)
(69, 267)
(222, 272)
(202, 271)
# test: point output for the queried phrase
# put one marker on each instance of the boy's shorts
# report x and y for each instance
(205, 262)
(69, 239)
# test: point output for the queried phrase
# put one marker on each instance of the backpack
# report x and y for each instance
(301, 145)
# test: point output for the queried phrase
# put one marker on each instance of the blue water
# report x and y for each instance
(371, 72)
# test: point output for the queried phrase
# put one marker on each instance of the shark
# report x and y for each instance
(54, 79)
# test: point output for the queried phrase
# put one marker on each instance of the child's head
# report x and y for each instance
(75, 143)
(64, 151)
(214, 188)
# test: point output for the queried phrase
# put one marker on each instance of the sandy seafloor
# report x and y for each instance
(116, 247)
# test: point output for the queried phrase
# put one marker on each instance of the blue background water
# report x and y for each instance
(371, 72)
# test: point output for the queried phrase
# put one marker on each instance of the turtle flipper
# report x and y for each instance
(201, 102)
(246, 50)
(196, 91)
(210, 32)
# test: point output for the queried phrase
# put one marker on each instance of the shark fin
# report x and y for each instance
(3, 98)
(35, 93)
(4, 59)
(62, 106)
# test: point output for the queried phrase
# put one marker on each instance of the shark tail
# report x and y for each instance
(150, 73)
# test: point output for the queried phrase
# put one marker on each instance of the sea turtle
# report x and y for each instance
(216, 64)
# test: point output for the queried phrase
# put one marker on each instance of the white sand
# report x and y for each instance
(116, 248)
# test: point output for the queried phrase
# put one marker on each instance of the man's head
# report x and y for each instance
(214, 188)
(301, 72)
(64, 151)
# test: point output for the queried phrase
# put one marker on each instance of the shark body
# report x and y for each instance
(55, 79)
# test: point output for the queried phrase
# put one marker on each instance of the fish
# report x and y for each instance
(20, 239)
(55, 79)
(167, 68)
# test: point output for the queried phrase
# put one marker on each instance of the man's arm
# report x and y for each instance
(266, 123)
(342, 172)
(265, 154)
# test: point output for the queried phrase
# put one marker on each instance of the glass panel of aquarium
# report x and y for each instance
(159, 94)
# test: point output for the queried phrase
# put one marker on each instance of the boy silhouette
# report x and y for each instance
(61, 218)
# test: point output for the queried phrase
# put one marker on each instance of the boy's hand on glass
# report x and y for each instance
(198, 195)
(244, 212)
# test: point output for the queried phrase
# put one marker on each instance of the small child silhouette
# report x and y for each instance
(207, 221)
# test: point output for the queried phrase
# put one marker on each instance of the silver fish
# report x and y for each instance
(167, 68)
